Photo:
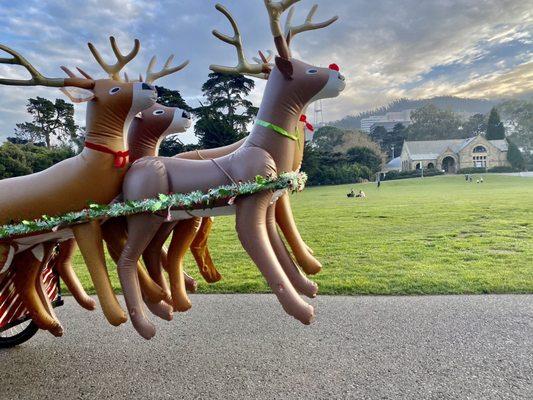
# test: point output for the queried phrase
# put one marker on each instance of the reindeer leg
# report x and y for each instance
(182, 238)
(89, 238)
(28, 283)
(141, 230)
(190, 283)
(152, 260)
(300, 282)
(200, 251)
(285, 220)
(115, 236)
(67, 274)
(253, 234)
(42, 290)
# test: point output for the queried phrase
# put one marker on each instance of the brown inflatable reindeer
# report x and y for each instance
(268, 150)
(94, 175)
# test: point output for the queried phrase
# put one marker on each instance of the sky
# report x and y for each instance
(386, 49)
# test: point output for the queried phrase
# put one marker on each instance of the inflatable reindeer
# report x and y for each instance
(94, 175)
(267, 151)
(284, 217)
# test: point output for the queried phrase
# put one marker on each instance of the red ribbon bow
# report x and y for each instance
(303, 118)
(121, 157)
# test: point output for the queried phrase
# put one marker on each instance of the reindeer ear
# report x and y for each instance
(75, 97)
(285, 67)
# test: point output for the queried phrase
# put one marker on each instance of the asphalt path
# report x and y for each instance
(244, 346)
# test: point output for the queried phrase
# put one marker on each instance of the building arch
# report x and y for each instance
(431, 165)
(479, 149)
(449, 164)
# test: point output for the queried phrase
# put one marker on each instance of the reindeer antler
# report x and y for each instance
(153, 76)
(275, 11)
(122, 60)
(243, 66)
(308, 25)
(37, 79)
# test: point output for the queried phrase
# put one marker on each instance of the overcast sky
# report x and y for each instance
(386, 48)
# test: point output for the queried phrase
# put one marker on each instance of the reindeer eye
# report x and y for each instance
(311, 71)
(114, 90)
(158, 112)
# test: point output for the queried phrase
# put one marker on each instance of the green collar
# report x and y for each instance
(277, 129)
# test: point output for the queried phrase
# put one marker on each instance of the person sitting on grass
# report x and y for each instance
(361, 194)
(351, 194)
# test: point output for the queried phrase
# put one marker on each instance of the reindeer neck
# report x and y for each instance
(107, 127)
(282, 112)
(142, 141)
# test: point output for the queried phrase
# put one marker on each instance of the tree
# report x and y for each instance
(378, 134)
(327, 138)
(50, 120)
(23, 159)
(13, 161)
(171, 98)
(519, 114)
(514, 156)
(225, 118)
(475, 125)
(172, 146)
(365, 156)
(495, 129)
(432, 123)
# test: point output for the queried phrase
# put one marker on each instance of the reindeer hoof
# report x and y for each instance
(56, 330)
(182, 306)
(308, 316)
(161, 310)
(310, 265)
(191, 285)
(144, 327)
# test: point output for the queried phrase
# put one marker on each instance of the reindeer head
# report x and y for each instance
(164, 121)
(112, 95)
(302, 82)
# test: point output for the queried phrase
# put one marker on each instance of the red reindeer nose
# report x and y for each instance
(334, 67)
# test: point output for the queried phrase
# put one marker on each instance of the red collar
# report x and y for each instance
(121, 157)
(303, 118)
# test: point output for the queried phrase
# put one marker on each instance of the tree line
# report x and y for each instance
(224, 115)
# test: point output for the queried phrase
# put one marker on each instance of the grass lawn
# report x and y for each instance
(438, 235)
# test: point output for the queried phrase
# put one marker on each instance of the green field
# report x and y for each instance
(437, 235)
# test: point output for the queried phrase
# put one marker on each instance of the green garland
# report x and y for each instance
(292, 181)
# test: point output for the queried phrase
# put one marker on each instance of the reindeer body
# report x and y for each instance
(264, 153)
(88, 177)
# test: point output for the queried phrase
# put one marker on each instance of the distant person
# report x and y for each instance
(361, 194)
(379, 183)
(477, 181)
(481, 179)
(351, 194)
(470, 179)
(466, 177)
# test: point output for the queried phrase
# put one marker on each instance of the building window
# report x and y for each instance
(431, 165)
(480, 161)
(479, 149)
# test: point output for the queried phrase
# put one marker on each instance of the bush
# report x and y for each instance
(473, 170)
(339, 174)
(24, 159)
(502, 169)
(392, 175)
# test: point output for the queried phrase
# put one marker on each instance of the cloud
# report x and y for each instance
(385, 48)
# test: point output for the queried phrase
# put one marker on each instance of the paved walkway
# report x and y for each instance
(243, 346)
